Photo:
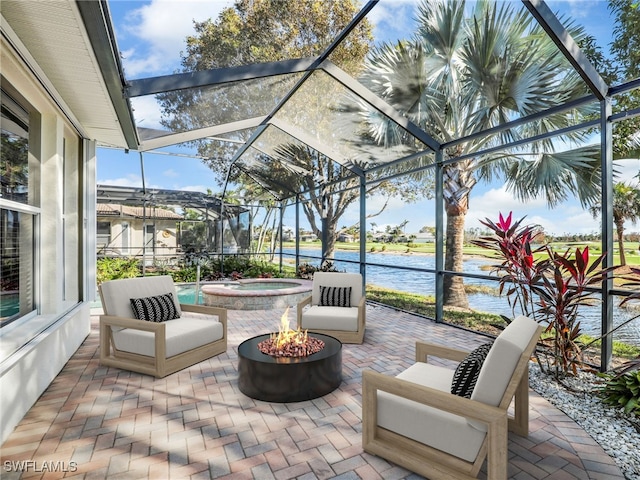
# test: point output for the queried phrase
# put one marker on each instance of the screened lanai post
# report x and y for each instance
(282, 207)
(325, 225)
(221, 221)
(606, 159)
(439, 214)
(363, 230)
(297, 233)
(221, 235)
(144, 216)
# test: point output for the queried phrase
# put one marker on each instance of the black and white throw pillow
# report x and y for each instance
(466, 375)
(335, 296)
(155, 309)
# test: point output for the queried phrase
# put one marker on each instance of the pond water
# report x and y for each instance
(424, 283)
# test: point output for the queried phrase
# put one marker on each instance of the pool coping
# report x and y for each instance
(221, 289)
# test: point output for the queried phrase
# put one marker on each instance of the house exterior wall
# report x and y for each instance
(36, 345)
(163, 246)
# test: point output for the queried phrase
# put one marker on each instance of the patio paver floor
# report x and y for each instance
(195, 424)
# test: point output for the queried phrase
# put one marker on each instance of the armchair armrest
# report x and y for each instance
(495, 418)
(362, 305)
(106, 338)
(220, 312)
(446, 401)
(424, 349)
(123, 322)
(301, 305)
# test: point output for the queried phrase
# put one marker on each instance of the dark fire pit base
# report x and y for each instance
(286, 379)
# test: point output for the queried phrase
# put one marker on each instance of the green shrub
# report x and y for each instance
(261, 270)
(306, 270)
(111, 268)
(185, 274)
(623, 391)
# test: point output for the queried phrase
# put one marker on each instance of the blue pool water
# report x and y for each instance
(187, 294)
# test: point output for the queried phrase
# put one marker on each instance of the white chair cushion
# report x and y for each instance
(330, 318)
(116, 294)
(190, 331)
(500, 363)
(428, 425)
(337, 279)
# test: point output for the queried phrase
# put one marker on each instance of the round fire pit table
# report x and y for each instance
(289, 379)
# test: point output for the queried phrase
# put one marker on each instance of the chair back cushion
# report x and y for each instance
(116, 295)
(337, 279)
(502, 359)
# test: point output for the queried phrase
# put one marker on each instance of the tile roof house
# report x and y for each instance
(125, 230)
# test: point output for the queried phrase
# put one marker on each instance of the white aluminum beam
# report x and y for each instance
(191, 135)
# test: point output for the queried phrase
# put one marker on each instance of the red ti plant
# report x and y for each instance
(519, 269)
(564, 289)
(545, 285)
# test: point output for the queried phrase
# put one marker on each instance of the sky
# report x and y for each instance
(151, 34)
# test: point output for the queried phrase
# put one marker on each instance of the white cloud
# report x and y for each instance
(390, 19)
(170, 173)
(566, 218)
(147, 112)
(130, 180)
(159, 29)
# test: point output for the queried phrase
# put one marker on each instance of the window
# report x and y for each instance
(18, 218)
(149, 237)
(14, 160)
(104, 236)
(124, 237)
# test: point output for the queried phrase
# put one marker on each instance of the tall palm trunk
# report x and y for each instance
(620, 235)
(454, 293)
(459, 181)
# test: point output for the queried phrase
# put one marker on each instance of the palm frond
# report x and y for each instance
(557, 176)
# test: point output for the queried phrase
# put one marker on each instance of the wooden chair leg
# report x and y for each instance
(519, 424)
(497, 450)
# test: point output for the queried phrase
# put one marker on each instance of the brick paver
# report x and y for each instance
(98, 423)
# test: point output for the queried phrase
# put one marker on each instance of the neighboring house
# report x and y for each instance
(346, 237)
(422, 237)
(123, 230)
(308, 237)
(381, 237)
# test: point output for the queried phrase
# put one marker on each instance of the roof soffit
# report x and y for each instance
(56, 39)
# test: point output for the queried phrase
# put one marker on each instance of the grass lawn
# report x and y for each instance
(631, 249)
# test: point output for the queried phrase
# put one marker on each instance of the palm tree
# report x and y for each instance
(626, 207)
(462, 75)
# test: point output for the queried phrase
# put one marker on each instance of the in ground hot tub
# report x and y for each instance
(256, 293)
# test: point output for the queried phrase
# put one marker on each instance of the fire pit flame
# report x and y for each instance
(290, 343)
